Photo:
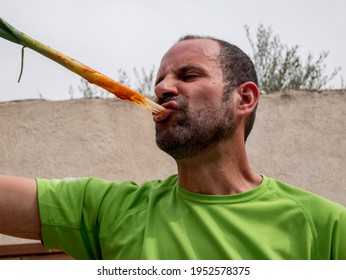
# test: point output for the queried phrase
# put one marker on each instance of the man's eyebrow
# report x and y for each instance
(183, 69)
(190, 67)
(180, 70)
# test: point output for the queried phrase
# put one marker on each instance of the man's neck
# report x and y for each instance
(219, 170)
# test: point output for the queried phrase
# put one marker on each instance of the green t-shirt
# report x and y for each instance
(90, 218)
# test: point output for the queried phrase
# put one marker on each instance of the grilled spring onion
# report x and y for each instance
(92, 76)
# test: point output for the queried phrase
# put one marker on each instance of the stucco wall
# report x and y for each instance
(299, 137)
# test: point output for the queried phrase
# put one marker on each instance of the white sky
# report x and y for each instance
(109, 35)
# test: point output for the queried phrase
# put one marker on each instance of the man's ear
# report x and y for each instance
(248, 96)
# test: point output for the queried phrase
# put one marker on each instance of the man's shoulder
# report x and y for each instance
(161, 183)
(306, 199)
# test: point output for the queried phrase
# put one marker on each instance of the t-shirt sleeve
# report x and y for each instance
(69, 211)
(339, 236)
(330, 223)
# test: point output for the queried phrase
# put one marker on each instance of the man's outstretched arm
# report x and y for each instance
(19, 214)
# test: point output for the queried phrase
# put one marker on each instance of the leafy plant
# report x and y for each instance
(280, 67)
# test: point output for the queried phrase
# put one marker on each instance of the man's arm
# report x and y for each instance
(19, 214)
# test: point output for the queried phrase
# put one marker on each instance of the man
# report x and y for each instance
(216, 207)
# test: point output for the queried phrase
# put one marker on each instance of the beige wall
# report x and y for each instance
(299, 138)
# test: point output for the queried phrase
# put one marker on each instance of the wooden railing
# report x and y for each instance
(31, 251)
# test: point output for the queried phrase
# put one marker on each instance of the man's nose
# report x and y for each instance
(166, 88)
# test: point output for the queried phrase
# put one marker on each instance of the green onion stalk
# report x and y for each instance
(92, 76)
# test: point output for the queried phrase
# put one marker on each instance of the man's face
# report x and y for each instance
(198, 111)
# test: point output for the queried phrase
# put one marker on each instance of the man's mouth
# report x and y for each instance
(170, 107)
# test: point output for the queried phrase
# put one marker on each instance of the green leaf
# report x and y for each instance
(8, 32)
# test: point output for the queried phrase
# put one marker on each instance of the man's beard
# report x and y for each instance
(195, 131)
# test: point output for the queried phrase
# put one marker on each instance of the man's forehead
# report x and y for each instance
(189, 50)
(195, 46)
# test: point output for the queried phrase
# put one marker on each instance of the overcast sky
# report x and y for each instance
(109, 35)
